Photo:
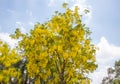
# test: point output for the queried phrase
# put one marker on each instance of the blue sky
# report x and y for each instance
(106, 19)
(103, 21)
(105, 15)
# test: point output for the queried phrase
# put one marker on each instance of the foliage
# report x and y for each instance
(113, 75)
(56, 52)
(8, 58)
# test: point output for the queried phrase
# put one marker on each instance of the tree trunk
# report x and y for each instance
(62, 81)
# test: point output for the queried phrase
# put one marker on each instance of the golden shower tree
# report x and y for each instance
(59, 51)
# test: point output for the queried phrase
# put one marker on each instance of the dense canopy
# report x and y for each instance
(56, 52)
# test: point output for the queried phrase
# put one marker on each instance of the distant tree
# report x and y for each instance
(113, 75)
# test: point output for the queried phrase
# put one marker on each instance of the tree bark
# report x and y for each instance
(62, 81)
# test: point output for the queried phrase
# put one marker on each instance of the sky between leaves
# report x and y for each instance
(103, 20)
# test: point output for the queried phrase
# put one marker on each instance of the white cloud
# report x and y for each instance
(0, 28)
(82, 7)
(106, 56)
(51, 2)
(5, 38)
(29, 13)
(31, 24)
(10, 11)
(20, 25)
(81, 4)
(107, 51)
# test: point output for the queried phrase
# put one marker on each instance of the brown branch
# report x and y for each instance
(62, 81)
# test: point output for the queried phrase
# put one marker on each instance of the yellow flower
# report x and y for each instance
(65, 56)
(1, 78)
